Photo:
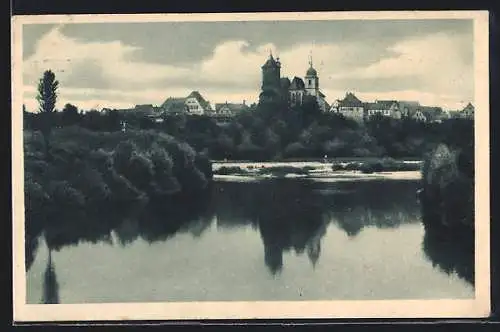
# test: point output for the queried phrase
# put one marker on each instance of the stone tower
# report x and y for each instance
(271, 85)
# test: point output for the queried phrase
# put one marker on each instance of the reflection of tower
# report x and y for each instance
(50, 284)
(314, 250)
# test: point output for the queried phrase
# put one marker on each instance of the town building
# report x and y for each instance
(350, 107)
(467, 112)
(408, 108)
(433, 113)
(224, 112)
(277, 89)
(388, 108)
(193, 104)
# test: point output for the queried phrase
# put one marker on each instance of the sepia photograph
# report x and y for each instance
(244, 165)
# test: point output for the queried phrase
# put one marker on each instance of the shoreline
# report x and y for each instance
(334, 176)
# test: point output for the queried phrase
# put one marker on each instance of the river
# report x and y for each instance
(275, 239)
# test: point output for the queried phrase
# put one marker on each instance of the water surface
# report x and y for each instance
(280, 239)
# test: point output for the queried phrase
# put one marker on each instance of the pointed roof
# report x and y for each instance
(204, 103)
(233, 107)
(350, 100)
(174, 104)
(311, 71)
(469, 107)
(270, 62)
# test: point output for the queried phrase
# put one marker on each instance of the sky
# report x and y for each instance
(119, 65)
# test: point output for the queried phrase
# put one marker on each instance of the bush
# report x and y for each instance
(283, 170)
(229, 170)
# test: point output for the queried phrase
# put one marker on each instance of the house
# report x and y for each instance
(225, 111)
(350, 107)
(174, 106)
(433, 113)
(389, 108)
(467, 112)
(193, 104)
(196, 104)
(419, 116)
(145, 109)
(408, 108)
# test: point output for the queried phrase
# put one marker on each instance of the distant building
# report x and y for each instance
(145, 109)
(388, 108)
(467, 112)
(408, 108)
(419, 116)
(196, 104)
(433, 113)
(224, 112)
(193, 104)
(174, 106)
(275, 88)
(350, 107)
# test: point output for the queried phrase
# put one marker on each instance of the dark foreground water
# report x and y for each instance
(286, 239)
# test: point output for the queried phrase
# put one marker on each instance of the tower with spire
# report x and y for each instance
(276, 88)
(312, 79)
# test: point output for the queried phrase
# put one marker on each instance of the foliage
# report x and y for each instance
(47, 97)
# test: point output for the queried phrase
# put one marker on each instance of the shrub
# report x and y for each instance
(229, 170)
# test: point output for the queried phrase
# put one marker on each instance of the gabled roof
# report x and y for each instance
(233, 107)
(379, 105)
(297, 84)
(409, 103)
(350, 100)
(469, 107)
(386, 104)
(321, 94)
(174, 105)
(205, 104)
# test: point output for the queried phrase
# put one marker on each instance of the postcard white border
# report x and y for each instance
(478, 307)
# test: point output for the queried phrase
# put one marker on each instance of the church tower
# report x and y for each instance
(312, 80)
(271, 84)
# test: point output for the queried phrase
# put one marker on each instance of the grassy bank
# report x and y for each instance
(370, 165)
(376, 166)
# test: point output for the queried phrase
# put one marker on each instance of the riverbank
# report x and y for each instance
(376, 168)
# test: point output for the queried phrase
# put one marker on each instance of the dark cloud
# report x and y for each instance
(187, 42)
(87, 75)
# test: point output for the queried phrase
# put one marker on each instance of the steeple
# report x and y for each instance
(311, 72)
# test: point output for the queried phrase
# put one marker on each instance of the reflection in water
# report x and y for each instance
(294, 214)
(291, 216)
(50, 284)
(452, 253)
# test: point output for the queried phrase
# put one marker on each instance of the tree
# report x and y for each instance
(47, 97)
(70, 115)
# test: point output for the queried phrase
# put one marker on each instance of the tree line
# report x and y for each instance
(279, 132)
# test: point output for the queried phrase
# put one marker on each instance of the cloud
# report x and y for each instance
(62, 54)
(440, 64)
(435, 68)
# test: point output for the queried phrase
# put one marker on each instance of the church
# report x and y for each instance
(277, 88)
